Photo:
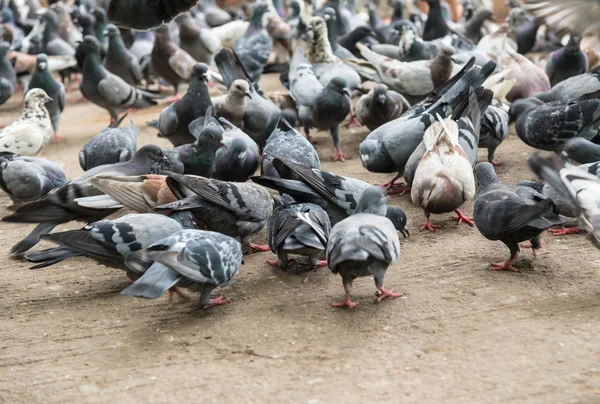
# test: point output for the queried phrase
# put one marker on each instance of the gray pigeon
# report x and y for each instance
(112, 145)
(200, 42)
(195, 259)
(146, 14)
(42, 78)
(582, 151)
(511, 214)
(332, 34)
(52, 43)
(288, 143)
(119, 60)
(109, 242)
(174, 121)
(380, 106)
(583, 85)
(494, 129)
(105, 89)
(27, 179)
(255, 46)
(580, 187)
(298, 228)
(239, 158)
(59, 205)
(8, 79)
(232, 208)
(364, 244)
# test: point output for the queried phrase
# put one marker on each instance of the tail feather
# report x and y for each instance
(51, 256)
(32, 238)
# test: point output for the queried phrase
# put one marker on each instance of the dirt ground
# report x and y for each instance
(462, 334)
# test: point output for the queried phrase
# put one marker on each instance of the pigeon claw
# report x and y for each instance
(503, 266)
(320, 264)
(383, 293)
(217, 301)
(347, 303)
(495, 163)
(258, 248)
(339, 156)
(353, 122)
(462, 218)
(565, 231)
(429, 226)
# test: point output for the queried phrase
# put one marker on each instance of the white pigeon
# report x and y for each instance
(444, 178)
(32, 131)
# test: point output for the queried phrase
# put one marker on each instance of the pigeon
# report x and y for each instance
(549, 126)
(33, 130)
(67, 30)
(52, 43)
(119, 60)
(59, 205)
(582, 85)
(511, 214)
(473, 28)
(338, 195)
(232, 106)
(298, 228)
(289, 144)
(42, 78)
(581, 188)
(435, 26)
(255, 46)
(200, 43)
(8, 21)
(582, 151)
(364, 244)
(112, 145)
(232, 208)
(26, 179)
(105, 89)
(380, 106)
(214, 16)
(195, 259)
(567, 62)
(110, 242)
(170, 61)
(146, 14)
(174, 121)
(494, 129)
(332, 35)
(8, 79)
(239, 158)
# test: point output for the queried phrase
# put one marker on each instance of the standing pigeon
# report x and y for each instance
(298, 228)
(494, 129)
(255, 46)
(52, 43)
(511, 214)
(435, 26)
(170, 61)
(582, 151)
(105, 89)
(174, 121)
(567, 62)
(239, 158)
(232, 106)
(146, 14)
(119, 60)
(27, 179)
(33, 130)
(201, 43)
(364, 244)
(112, 145)
(380, 106)
(195, 259)
(42, 78)
(8, 79)
(232, 208)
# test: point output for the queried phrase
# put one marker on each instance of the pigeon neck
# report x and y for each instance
(474, 24)
(320, 51)
(332, 34)
(256, 23)
(485, 180)
(92, 65)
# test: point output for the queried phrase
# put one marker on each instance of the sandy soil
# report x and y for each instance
(461, 334)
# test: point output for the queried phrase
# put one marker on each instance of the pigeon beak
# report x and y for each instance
(347, 92)
(42, 66)
(105, 33)
(48, 100)
(248, 94)
(222, 145)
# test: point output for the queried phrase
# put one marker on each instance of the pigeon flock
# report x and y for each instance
(431, 82)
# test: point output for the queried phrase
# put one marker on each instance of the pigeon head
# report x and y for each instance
(375, 157)
(90, 45)
(582, 151)
(259, 11)
(329, 14)
(573, 44)
(486, 176)
(36, 98)
(185, 218)
(372, 201)
(339, 85)
(150, 153)
(199, 71)
(42, 62)
(318, 26)
(210, 138)
(49, 19)
(380, 95)
(447, 52)
(100, 15)
(398, 9)
(7, 16)
(112, 31)
(240, 88)
(4, 48)
(398, 219)
(516, 17)
(294, 7)
(522, 106)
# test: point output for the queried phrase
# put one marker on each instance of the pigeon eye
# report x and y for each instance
(212, 137)
(158, 153)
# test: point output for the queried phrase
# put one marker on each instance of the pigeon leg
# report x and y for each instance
(282, 260)
(428, 225)
(321, 264)
(353, 122)
(535, 244)
(175, 291)
(565, 230)
(346, 302)
(461, 218)
(491, 160)
(382, 293)
(339, 156)
(217, 301)
(57, 138)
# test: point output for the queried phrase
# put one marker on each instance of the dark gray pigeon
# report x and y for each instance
(232, 208)
(255, 46)
(582, 151)
(146, 14)
(511, 214)
(174, 121)
(8, 79)
(380, 106)
(119, 60)
(494, 129)
(200, 42)
(27, 179)
(288, 143)
(298, 228)
(105, 89)
(109, 242)
(59, 205)
(364, 244)
(566, 62)
(239, 158)
(585, 85)
(112, 145)
(42, 78)
(198, 260)
(550, 126)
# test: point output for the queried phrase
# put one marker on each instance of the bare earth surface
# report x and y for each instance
(462, 334)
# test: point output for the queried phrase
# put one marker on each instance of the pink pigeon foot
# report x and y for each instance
(320, 264)
(345, 303)
(339, 156)
(276, 262)
(462, 218)
(217, 301)
(174, 98)
(382, 293)
(504, 266)
(258, 248)
(566, 230)
(429, 226)
(353, 122)
(399, 189)
(495, 163)
(57, 138)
